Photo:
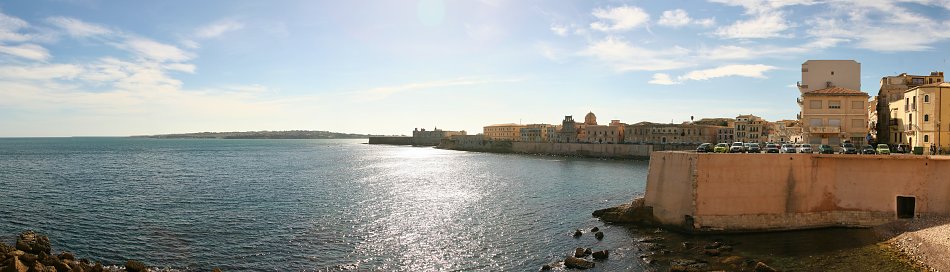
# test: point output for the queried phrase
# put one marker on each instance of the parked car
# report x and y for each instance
(901, 148)
(753, 148)
(825, 149)
(805, 148)
(771, 148)
(883, 149)
(721, 148)
(737, 147)
(848, 148)
(868, 149)
(705, 147)
(788, 148)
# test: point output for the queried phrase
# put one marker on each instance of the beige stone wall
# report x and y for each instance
(737, 192)
(584, 149)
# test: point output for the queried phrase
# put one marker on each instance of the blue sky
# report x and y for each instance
(97, 68)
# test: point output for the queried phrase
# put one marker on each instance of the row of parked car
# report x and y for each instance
(846, 148)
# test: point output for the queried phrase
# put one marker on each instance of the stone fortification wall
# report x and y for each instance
(584, 150)
(391, 140)
(743, 192)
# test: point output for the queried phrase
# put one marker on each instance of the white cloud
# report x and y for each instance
(707, 22)
(156, 51)
(619, 19)
(10, 29)
(765, 25)
(674, 18)
(216, 29)
(26, 51)
(663, 79)
(40, 72)
(181, 67)
(559, 30)
(626, 57)
(78, 28)
(753, 70)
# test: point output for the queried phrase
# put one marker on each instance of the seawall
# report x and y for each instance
(764, 192)
(618, 151)
(391, 140)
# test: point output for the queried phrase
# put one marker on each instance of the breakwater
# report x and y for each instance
(591, 150)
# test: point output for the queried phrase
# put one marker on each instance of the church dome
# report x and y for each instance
(590, 119)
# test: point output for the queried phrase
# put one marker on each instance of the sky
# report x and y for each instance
(117, 68)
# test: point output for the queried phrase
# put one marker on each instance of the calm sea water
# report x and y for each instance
(305, 205)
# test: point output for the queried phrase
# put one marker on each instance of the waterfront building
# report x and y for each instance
(750, 129)
(687, 133)
(821, 74)
(568, 131)
(892, 89)
(918, 117)
(834, 115)
(432, 137)
(536, 133)
(725, 135)
(503, 132)
(785, 131)
(609, 134)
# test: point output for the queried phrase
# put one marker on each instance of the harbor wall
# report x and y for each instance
(753, 192)
(584, 149)
(391, 140)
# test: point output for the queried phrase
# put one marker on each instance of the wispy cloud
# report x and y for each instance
(623, 56)
(619, 19)
(663, 79)
(40, 72)
(10, 28)
(78, 28)
(741, 70)
(674, 18)
(218, 28)
(153, 50)
(27, 51)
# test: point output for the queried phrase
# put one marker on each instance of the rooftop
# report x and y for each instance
(836, 91)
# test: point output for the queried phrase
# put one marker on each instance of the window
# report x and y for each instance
(834, 104)
(804, 70)
(917, 80)
(815, 122)
(857, 104)
(832, 72)
(926, 117)
(834, 122)
(814, 104)
(926, 138)
(926, 98)
(857, 123)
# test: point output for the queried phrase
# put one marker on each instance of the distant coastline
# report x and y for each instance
(289, 134)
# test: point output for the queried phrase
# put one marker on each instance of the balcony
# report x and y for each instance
(799, 101)
(826, 130)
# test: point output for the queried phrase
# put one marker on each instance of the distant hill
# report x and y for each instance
(291, 134)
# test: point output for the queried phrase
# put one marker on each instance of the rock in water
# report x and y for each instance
(546, 267)
(595, 229)
(216, 269)
(601, 255)
(578, 233)
(134, 266)
(599, 235)
(762, 267)
(34, 243)
(587, 252)
(579, 252)
(577, 263)
(67, 256)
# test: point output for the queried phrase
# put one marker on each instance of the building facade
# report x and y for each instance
(750, 129)
(834, 115)
(892, 89)
(821, 74)
(919, 115)
(536, 133)
(432, 137)
(609, 134)
(503, 132)
(653, 133)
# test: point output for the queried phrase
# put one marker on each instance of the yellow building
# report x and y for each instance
(919, 115)
(892, 89)
(610, 134)
(503, 132)
(536, 133)
(834, 115)
(653, 133)
(750, 129)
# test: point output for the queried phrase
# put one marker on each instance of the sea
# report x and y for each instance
(333, 205)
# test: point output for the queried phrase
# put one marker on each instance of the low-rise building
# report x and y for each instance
(725, 135)
(653, 133)
(750, 129)
(536, 133)
(892, 89)
(432, 137)
(503, 132)
(919, 116)
(834, 115)
(609, 134)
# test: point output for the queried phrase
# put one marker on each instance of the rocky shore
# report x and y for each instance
(32, 252)
(906, 245)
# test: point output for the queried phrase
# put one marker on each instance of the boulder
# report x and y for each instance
(134, 266)
(601, 255)
(588, 251)
(577, 263)
(543, 267)
(14, 265)
(34, 243)
(725, 248)
(216, 269)
(67, 256)
(599, 235)
(762, 267)
(578, 233)
(39, 267)
(580, 252)
(711, 252)
(595, 229)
